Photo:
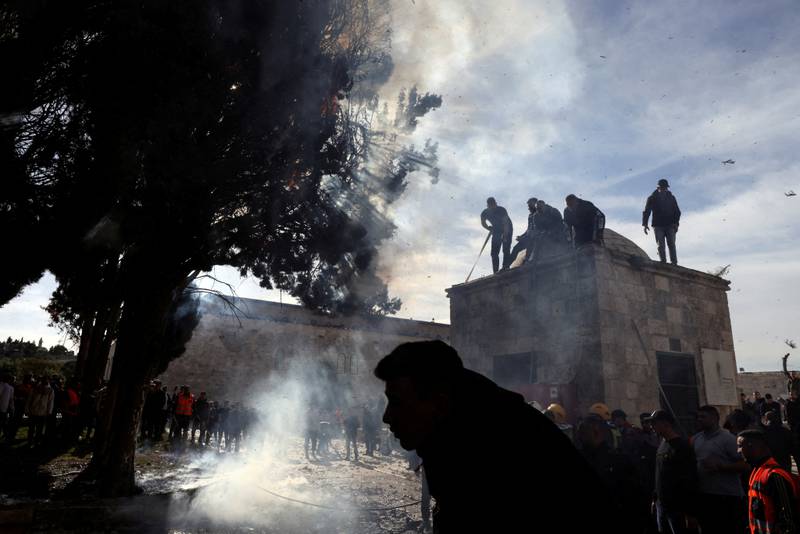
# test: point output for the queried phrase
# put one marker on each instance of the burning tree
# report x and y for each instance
(150, 141)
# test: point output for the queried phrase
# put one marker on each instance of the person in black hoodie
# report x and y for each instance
(666, 218)
(529, 477)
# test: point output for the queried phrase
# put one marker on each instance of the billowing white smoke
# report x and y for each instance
(269, 484)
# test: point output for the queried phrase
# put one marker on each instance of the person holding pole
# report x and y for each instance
(501, 230)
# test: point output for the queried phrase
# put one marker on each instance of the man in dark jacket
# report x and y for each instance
(676, 476)
(502, 229)
(525, 241)
(615, 469)
(779, 438)
(529, 478)
(549, 225)
(666, 218)
(585, 221)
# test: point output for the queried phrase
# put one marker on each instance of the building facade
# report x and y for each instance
(601, 324)
(235, 350)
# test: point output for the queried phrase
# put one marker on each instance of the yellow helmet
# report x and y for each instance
(559, 414)
(602, 410)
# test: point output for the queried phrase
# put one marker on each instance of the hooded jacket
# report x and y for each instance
(498, 465)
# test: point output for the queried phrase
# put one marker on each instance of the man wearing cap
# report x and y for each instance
(771, 496)
(666, 218)
(530, 478)
(676, 476)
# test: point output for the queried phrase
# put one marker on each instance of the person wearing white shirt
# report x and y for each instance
(6, 402)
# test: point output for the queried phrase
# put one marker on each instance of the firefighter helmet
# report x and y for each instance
(602, 410)
(558, 412)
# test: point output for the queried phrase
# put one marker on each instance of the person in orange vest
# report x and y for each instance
(772, 492)
(183, 411)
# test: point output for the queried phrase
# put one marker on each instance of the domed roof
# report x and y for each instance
(618, 243)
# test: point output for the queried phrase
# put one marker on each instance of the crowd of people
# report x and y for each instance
(55, 411)
(495, 463)
(667, 482)
(58, 413)
(183, 418)
(322, 425)
(549, 232)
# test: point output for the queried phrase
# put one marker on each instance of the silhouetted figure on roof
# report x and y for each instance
(525, 240)
(550, 236)
(666, 218)
(585, 221)
(501, 229)
(493, 463)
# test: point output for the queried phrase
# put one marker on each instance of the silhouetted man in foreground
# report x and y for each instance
(493, 463)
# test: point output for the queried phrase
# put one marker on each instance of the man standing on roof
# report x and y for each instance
(501, 230)
(666, 218)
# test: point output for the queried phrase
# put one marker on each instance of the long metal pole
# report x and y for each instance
(479, 256)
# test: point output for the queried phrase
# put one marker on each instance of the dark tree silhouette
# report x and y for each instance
(149, 141)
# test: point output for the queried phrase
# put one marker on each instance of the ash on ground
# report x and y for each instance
(264, 488)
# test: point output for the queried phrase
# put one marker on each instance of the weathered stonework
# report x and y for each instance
(764, 382)
(578, 314)
(231, 354)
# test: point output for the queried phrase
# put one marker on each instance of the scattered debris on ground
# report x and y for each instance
(201, 491)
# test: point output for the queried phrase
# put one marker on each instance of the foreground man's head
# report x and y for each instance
(419, 379)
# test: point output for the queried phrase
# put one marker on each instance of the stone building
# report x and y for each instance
(234, 351)
(764, 382)
(601, 324)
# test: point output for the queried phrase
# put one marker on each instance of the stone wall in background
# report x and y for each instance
(764, 382)
(232, 354)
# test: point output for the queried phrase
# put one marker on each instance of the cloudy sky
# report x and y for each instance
(601, 99)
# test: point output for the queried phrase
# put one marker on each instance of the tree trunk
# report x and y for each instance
(86, 336)
(100, 346)
(137, 353)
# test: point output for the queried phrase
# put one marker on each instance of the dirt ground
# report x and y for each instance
(264, 488)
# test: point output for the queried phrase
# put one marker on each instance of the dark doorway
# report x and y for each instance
(514, 369)
(679, 381)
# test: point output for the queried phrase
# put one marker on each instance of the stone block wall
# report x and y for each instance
(674, 309)
(231, 357)
(580, 312)
(549, 310)
(773, 382)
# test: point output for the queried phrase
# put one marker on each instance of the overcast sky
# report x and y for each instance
(600, 99)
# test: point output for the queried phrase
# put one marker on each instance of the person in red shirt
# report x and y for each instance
(70, 411)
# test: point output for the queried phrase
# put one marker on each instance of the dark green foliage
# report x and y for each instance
(19, 348)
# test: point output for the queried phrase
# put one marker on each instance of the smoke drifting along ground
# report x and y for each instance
(270, 485)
